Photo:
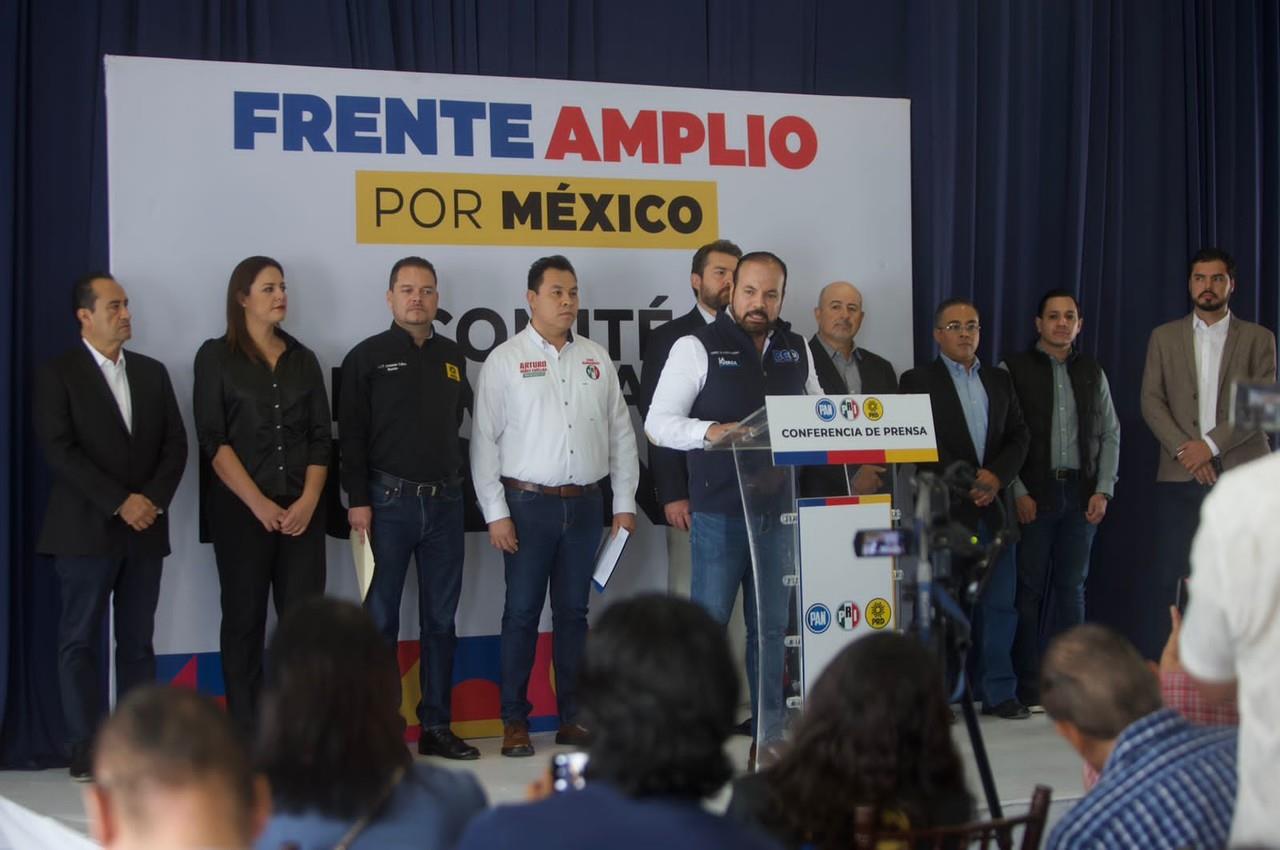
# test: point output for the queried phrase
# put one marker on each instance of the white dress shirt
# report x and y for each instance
(668, 423)
(117, 381)
(1209, 341)
(553, 418)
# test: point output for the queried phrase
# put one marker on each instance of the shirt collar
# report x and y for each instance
(956, 369)
(407, 337)
(1139, 734)
(707, 315)
(1217, 327)
(1039, 346)
(542, 342)
(103, 361)
(854, 353)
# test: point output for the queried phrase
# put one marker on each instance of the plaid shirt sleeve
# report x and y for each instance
(1182, 695)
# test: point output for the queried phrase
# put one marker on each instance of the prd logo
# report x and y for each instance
(826, 409)
(848, 408)
(879, 613)
(848, 616)
(818, 618)
(874, 408)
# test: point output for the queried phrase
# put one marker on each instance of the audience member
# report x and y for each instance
(876, 731)
(1165, 782)
(658, 689)
(171, 772)
(331, 740)
(1232, 633)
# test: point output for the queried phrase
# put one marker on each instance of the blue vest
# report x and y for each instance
(738, 379)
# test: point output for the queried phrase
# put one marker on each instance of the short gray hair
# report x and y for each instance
(1095, 680)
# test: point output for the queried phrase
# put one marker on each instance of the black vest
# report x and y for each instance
(1032, 373)
(738, 379)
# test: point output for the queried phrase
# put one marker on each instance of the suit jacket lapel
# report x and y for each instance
(994, 396)
(1189, 347)
(1228, 350)
(97, 383)
(953, 410)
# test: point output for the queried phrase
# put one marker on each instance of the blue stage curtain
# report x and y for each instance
(1092, 145)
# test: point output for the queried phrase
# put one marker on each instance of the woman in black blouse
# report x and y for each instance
(262, 420)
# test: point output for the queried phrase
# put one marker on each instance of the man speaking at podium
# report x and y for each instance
(713, 378)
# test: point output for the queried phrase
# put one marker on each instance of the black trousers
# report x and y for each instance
(1178, 506)
(251, 562)
(132, 585)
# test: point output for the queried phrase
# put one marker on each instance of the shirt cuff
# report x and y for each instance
(623, 504)
(495, 510)
(1019, 489)
(1213, 447)
(1106, 486)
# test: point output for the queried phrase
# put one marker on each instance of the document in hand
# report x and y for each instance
(610, 551)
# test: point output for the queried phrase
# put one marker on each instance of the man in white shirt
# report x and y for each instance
(116, 448)
(714, 377)
(1186, 392)
(549, 423)
(1231, 635)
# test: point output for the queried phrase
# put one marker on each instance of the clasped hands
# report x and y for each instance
(138, 512)
(292, 520)
(1197, 458)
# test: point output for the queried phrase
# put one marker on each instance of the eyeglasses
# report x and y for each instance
(956, 327)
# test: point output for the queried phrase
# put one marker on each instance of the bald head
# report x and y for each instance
(839, 314)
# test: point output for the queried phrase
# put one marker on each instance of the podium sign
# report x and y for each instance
(851, 429)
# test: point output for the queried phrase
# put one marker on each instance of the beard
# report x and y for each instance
(768, 323)
(1211, 301)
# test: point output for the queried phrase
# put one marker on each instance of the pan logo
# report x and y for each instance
(818, 618)
(826, 409)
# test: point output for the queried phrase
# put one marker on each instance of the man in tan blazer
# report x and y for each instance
(1186, 393)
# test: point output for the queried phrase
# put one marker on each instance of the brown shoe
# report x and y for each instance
(515, 739)
(573, 735)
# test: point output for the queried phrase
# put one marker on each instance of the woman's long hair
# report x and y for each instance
(876, 731)
(330, 734)
(241, 281)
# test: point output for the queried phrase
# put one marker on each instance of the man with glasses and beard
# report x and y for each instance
(1186, 392)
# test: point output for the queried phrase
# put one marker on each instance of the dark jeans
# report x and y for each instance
(1053, 562)
(428, 527)
(558, 541)
(251, 562)
(87, 583)
(1178, 508)
(995, 623)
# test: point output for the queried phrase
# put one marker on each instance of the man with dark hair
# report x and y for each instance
(549, 423)
(711, 279)
(1186, 393)
(1165, 783)
(170, 771)
(1062, 491)
(979, 422)
(117, 448)
(714, 377)
(403, 395)
(659, 689)
(845, 368)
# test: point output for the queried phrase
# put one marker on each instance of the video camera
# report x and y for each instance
(1255, 407)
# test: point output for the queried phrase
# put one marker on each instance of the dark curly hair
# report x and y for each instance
(876, 731)
(330, 734)
(659, 690)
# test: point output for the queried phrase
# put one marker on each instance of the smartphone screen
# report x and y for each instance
(567, 771)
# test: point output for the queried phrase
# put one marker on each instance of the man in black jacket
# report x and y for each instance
(711, 279)
(845, 368)
(115, 442)
(978, 421)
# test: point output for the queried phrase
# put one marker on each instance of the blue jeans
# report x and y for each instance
(558, 540)
(721, 554)
(429, 528)
(1053, 560)
(995, 623)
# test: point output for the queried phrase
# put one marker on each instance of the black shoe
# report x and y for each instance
(81, 769)
(744, 728)
(440, 741)
(573, 735)
(1010, 709)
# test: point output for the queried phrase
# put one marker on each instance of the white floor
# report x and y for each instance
(1023, 753)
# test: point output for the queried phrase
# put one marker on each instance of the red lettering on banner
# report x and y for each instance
(717, 152)
(785, 127)
(641, 135)
(682, 133)
(755, 141)
(572, 136)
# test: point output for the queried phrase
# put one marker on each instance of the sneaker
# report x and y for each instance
(515, 739)
(440, 741)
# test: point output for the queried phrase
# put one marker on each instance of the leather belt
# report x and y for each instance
(404, 485)
(1064, 474)
(564, 491)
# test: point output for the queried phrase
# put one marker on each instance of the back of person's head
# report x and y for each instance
(169, 770)
(876, 732)
(330, 734)
(1094, 679)
(659, 690)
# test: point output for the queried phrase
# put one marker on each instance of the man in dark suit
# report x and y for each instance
(115, 442)
(845, 368)
(978, 420)
(711, 278)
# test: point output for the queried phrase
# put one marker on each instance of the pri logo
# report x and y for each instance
(818, 618)
(848, 409)
(826, 409)
(593, 372)
(848, 616)
(879, 613)
(873, 408)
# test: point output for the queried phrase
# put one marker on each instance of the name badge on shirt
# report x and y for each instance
(725, 358)
(391, 367)
(533, 368)
(451, 372)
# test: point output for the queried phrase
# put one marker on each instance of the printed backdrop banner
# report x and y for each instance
(339, 173)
